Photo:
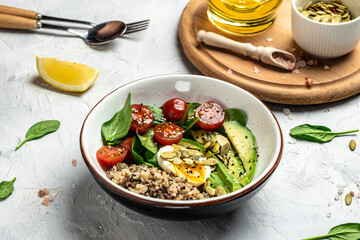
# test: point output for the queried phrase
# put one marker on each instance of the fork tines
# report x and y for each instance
(137, 26)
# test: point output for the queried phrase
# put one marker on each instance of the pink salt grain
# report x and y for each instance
(74, 162)
(45, 202)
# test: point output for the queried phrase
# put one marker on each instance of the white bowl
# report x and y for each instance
(155, 91)
(325, 40)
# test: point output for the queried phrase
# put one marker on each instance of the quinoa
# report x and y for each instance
(153, 182)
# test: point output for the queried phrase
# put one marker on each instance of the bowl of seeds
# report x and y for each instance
(326, 28)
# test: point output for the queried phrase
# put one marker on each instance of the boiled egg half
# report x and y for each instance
(196, 174)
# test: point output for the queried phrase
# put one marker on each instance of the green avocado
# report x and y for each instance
(245, 145)
(236, 168)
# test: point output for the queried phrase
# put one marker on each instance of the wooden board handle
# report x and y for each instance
(17, 12)
(15, 22)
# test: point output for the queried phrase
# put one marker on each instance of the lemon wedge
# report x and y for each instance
(67, 76)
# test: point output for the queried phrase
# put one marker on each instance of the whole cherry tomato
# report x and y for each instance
(127, 144)
(174, 109)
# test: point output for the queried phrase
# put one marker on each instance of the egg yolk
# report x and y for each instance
(194, 173)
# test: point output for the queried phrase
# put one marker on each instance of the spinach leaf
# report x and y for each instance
(118, 126)
(348, 231)
(190, 125)
(147, 140)
(192, 108)
(157, 114)
(6, 188)
(151, 158)
(315, 133)
(137, 149)
(185, 114)
(234, 114)
(39, 130)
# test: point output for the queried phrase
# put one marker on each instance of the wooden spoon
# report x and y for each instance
(268, 55)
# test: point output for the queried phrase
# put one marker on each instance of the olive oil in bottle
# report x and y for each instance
(243, 17)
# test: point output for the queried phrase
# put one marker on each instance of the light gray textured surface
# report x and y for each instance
(297, 202)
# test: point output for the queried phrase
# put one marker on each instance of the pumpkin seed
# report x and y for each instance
(219, 191)
(207, 145)
(208, 154)
(326, 12)
(210, 191)
(348, 199)
(209, 161)
(216, 148)
(168, 155)
(188, 161)
(185, 154)
(352, 144)
(184, 144)
(209, 136)
(121, 166)
(177, 161)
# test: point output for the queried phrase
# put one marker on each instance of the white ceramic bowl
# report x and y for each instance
(155, 91)
(325, 40)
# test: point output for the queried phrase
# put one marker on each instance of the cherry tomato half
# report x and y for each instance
(142, 118)
(168, 133)
(174, 109)
(127, 144)
(211, 115)
(110, 155)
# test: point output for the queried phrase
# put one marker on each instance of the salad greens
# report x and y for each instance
(144, 148)
(157, 114)
(147, 140)
(39, 130)
(6, 188)
(315, 133)
(137, 150)
(234, 114)
(348, 231)
(118, 126)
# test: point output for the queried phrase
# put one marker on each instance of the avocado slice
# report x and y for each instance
(236, 168)
(225, 176)
(245, 145)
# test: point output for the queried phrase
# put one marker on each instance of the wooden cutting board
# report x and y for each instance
(339, 81)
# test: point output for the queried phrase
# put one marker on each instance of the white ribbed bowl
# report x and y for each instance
(326, 40)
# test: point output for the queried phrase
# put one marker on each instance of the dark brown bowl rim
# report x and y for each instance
(154, 202)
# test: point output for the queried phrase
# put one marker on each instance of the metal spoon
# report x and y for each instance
(97, 35)
(268, 55)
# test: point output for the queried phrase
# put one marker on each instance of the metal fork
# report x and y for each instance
(130, 27)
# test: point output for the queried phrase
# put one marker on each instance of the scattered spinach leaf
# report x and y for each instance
(6, 188)
(147, 140)
(348, 231)
(234, 114)
(118, 126)
(157, 114)
(39, 130)
(315, 133)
